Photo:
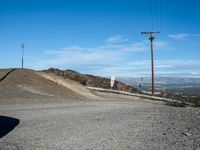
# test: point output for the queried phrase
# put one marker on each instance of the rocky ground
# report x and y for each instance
(109, 124)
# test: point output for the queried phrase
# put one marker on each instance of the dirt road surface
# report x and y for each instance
(110, 124)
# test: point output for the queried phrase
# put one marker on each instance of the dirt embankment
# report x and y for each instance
(90, 80)
(28, 86)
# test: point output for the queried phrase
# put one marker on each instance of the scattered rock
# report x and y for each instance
(186, 134)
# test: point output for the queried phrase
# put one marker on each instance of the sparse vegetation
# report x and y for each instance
(95, 81)
(90, 80)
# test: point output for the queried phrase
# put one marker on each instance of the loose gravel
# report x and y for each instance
(112, 124)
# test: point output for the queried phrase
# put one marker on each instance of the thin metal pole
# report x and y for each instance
(22, 46)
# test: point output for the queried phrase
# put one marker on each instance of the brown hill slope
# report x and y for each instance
(89, 80)
(31, 86)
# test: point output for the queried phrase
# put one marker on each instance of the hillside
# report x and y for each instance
(54, 85)
(90, 80)
(25, 86)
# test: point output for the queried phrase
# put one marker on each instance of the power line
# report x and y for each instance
(154, 9)
(151, 15)
(160, 13)
(157, 14)
(137, 17)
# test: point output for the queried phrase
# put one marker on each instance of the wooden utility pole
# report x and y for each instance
(151, 38)
(22, 47)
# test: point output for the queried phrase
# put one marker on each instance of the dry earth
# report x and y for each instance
(28, 86)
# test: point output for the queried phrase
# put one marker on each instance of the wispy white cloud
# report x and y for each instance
(107, 59)
(161, 44)
(116, 39)
(111, 54)
(181, 68)
(179, 36)
(195, 73)
(187, 68)
(182, 36)
(135, 47)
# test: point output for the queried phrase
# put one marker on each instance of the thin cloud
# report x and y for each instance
(160, 44)
(107, 59)
(116, 39)
(136, 47)
(182, 36)
(179, 36)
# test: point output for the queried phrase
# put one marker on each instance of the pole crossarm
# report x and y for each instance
(151, 32)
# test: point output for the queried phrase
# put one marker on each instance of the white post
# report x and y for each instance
(112, 81)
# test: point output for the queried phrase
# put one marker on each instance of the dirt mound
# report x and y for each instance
(90, 80)
(70, 84)
(26, 86)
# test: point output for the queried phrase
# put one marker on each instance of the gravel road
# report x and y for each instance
(112, 124)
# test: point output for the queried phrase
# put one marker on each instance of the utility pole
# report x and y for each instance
(151, 38)
(22, 47)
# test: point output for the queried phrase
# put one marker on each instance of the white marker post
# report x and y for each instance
(112, 81)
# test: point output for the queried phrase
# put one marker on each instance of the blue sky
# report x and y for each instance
(102, 37)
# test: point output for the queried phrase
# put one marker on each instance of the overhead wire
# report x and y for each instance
(153, 11)
(157, 14)
(137, 18)
(160, 15)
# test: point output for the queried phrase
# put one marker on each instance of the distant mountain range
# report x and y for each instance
(176, 85)
(160, 80)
